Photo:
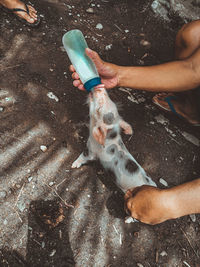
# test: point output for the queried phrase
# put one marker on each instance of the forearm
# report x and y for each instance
(173, 76)
(186, 198)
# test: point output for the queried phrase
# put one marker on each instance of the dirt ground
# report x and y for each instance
(52, 215)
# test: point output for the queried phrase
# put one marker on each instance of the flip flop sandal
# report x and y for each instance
(13, 10)
(172, 109)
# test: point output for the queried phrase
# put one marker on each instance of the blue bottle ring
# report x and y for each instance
(92, 83)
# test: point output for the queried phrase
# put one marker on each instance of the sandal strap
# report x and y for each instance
(171, 106)
(21, 10)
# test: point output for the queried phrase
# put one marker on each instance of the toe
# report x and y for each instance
(28, 18)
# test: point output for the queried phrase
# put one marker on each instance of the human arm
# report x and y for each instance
(174, 76)
(152, 205)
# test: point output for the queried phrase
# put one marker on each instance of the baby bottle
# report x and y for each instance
(75, 45)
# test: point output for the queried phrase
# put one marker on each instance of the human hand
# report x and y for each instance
(149, 204)
(107, 71)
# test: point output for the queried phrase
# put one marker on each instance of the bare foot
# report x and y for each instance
(183, 107)
(10, 4)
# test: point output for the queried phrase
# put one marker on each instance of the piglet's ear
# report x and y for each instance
(99, 134)
(126, 127)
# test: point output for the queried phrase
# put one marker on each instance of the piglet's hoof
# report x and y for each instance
(76, 164)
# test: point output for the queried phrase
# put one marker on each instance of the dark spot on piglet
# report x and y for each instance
(131, 166)
(121, 154)
(111, 149)
(108, 118)
(112, 134)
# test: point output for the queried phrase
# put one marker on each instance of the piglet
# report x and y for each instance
(105, 142)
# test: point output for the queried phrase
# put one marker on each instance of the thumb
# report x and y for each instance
(95, 57)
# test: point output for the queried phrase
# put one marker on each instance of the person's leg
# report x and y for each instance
(186, 104)
(11, 4)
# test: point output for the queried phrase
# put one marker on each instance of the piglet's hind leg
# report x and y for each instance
(82, 159)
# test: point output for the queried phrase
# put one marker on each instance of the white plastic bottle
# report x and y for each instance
(75, 45)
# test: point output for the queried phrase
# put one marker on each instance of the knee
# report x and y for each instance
(189, 35)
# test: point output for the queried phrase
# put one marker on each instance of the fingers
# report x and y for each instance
(75, 76)
(71, 68)
(95, 57)
(77, 83)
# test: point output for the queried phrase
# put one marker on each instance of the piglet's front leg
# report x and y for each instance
(84, 157)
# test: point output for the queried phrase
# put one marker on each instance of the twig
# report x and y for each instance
(11, 67)
(66, 204)
(185, 262)
(118, 28)
(19, 195)
(60, 183)
(115, 229)
(190, 243)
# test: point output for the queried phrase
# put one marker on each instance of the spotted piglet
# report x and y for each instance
(105, 142)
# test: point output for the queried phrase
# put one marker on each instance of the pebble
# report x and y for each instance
(108, 47)
(30, 179)
(5, 222)
(145, 43)
(52, 253)
(139, 265)
(193, 217)
(163, 253)
(51, 183)
(7, 99)
(43, 148)
(1, 109)
(3, 194)
(130, 220)
(126, 31)
(163, 182)
(90, 10)
(99, 26)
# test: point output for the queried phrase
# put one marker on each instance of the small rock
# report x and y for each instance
(62, 49)
(139, 265)
(5, 222)
(108, 47)
(43, 148)
(99, 26)
(163, 182)
(3, 194)
(145, 43)
(163, 253)
(52, 96)
(43, 244)
(90, 10)
(193, 217)
(126, 31)
(130, 220)
(52, 253)
(30, 179)
(1, 109)
(51, 183)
